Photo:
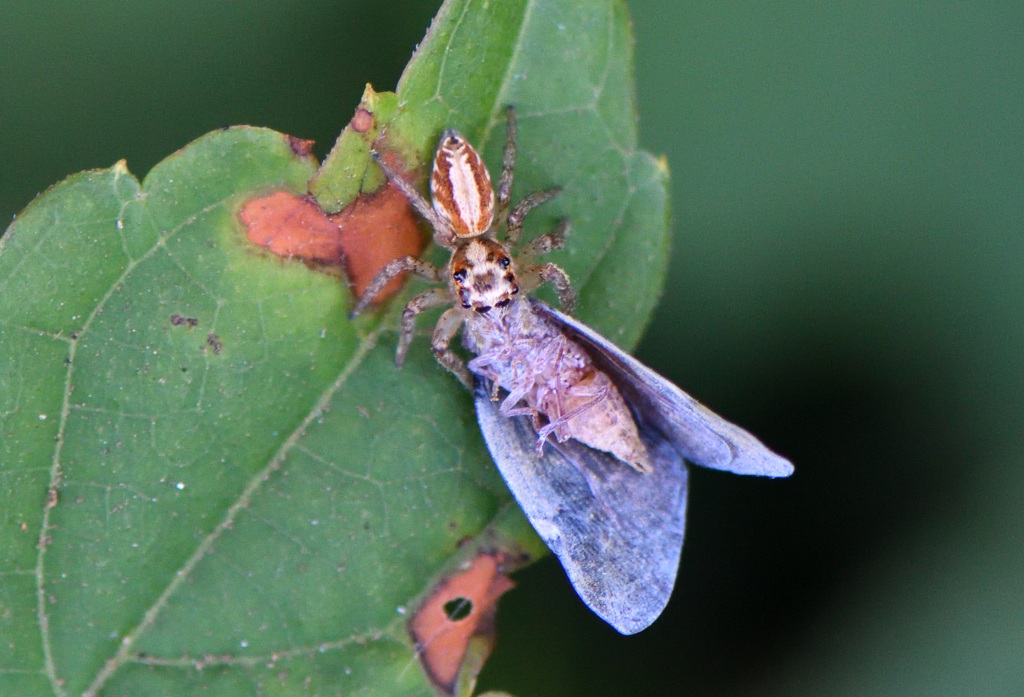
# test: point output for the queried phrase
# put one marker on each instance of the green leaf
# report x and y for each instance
(212, 480)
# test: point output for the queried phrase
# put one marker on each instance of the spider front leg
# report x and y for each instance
(446, 329)
(540, 246)
(424, 301)
(394, 267)
(534, 276)
(443, 234)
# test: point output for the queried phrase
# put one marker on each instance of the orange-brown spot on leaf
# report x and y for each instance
(291, 226)
(362, 121)
(391, 159)
(302, 148)
(362, 238)
(459, 610)
(374, 230)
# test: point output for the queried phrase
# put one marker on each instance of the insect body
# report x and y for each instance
(545, 373)
(590, 441)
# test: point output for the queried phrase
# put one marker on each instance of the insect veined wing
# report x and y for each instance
(618, 533)
(700, 435)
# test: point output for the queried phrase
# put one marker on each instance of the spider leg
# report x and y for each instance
(394, 267)
(508, 161)
(533, 276)
(515, 218)
(443, 234)
(539, 246)
(424, 301)
(446, 329)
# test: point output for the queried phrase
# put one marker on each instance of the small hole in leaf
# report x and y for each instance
(458, 609)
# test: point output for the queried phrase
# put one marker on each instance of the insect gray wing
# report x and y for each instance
(618, 533)
(700, 435)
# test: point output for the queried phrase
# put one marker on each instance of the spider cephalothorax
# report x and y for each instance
(483, 275)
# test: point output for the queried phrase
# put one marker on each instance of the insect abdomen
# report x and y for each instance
(530, 358)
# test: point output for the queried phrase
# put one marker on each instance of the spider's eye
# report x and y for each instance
(459, 276)
(503, 303)
(504, 262)
(483, 309)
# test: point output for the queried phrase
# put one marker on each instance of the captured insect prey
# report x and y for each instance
(592, 443)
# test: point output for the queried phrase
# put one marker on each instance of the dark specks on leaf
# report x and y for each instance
(182, 321)
(214, 343)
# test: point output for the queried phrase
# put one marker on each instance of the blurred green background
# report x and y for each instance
(847, 282)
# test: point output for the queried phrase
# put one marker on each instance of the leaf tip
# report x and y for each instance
(300, 146)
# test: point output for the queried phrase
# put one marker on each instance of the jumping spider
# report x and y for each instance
(481, 274)
(518, 347)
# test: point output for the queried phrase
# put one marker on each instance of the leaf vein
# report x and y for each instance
(124, 652)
